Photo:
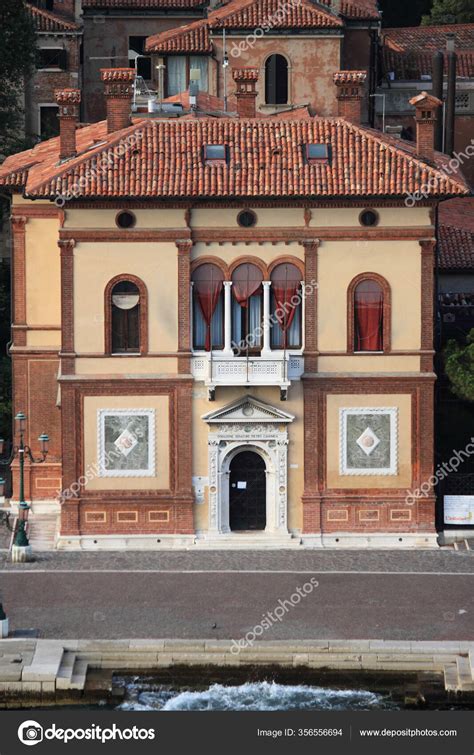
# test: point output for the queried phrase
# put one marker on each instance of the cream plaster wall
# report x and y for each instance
(224, 396)
(404, 477)
(281, 217)
(340, 261)
(96, 263)
(369, 364)
(128, 365)
(153, 218)
(92, 404)
(43, 272)
(389, 217)
(43, 338)
(230, 252)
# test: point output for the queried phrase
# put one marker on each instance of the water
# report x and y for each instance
(257, 696)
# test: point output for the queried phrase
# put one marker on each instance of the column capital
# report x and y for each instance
(184, 246)
(427, 245)
(310, 245)
(66, 246)
(227, 283)
(267, 284)
(18, 222)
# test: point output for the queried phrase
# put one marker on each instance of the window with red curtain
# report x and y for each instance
(125, 318)
(286, 307)
(247, 294)
(208, 309)
(368, 316)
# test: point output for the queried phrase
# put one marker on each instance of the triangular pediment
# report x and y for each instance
(248, 409)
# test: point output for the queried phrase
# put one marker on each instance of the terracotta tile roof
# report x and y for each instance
(243, 14)
(356, 9)
(266, 159)
(456, 235)
(456, 249)
(144, 4)
(408, 52)
(45, 21)
(186, 39)
(352, 9)
(458, 212)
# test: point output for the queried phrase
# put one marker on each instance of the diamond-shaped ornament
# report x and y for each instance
(368, 441)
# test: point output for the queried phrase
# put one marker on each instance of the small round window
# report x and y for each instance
(246, 218)
(369, 218)
(125, 219)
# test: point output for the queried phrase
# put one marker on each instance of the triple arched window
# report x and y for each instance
(247, 311)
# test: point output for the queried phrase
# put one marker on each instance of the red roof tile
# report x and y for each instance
(356, 9)
(45, 21)
(408, 52)
(189, 38)
(143, 4)
(266, 159)
(456, 249)
(243, 14)
(458, 212)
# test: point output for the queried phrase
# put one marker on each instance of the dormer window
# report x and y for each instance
(317, 153)
(215, 154)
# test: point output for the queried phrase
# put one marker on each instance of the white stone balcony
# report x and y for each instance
(277, 368)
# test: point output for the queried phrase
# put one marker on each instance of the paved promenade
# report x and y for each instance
(379, 595)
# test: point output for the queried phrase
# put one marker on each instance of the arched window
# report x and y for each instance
(286, 307)
(368, 316)
(208, 307)
(276, 80)
(125, 316)
(247, 311)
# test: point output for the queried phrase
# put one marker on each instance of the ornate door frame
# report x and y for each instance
(248, 424)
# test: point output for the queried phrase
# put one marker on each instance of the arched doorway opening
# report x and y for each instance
(247, 492)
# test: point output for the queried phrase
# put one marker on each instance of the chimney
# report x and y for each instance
(68, 101)
(350, 94)
(246, 91)
(426, 115)
(118, 92)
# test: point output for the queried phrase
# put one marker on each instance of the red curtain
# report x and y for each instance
(207, 286)
(368, 316)
(246, 280)
(285, 285)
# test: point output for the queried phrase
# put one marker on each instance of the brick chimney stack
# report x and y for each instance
(118, 87)
(350, 94)
(246, 91)
(69, 101)
(426, 116)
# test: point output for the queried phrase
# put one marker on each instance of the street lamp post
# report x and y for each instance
(20, 450)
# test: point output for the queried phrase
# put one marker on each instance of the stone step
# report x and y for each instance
(46, 662)
(464, 673)
(79, 674)
(42, 530)
(451, 677)
(66, 670)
